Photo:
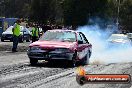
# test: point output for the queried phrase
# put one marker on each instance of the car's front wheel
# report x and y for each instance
(21, 40)
(33, 61)
(11, 40)
(28, 40)
(2, 40)
(73, 62)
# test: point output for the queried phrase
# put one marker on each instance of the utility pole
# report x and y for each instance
(118, 13)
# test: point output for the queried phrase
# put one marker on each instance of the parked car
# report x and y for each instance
(129, 35)
(62, 45)
(119, 41)
(8, 35)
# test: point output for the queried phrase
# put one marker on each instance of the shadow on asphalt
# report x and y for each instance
(52, 65)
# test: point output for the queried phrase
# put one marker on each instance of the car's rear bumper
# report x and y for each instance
(41, 55)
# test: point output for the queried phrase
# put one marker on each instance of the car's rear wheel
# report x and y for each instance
(85, 60)
(90, 53)
(33, 61)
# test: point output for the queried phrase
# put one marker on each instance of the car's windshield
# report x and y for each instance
(59, 36)
(10, 28)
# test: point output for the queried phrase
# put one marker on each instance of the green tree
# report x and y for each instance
(126, 15)
(78, 12)
(16, 8)
(43, 11)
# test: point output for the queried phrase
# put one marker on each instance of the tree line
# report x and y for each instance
(70, 12)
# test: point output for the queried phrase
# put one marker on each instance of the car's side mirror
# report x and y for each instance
(80, 42)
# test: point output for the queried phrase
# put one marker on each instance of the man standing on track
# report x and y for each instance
(16, 34)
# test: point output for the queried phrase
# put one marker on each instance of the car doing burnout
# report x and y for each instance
(61, 45)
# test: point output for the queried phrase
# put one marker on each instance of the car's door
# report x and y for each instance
(87, 45)
(82, 46)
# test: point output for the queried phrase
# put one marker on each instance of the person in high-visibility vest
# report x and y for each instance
(16, 34)
(35, 33)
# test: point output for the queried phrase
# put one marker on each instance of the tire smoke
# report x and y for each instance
(100, 53)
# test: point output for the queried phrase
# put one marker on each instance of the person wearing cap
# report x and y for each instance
(35, 33)
(16, 34)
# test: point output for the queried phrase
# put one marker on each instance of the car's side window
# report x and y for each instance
(84, 38)
(79, 37)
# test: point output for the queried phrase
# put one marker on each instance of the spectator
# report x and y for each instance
(16, 34)
(35, 33)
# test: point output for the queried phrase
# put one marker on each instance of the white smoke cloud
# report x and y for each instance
(101, 54)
